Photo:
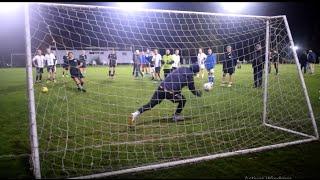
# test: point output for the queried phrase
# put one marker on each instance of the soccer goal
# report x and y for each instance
(87, 135)
(17, 60)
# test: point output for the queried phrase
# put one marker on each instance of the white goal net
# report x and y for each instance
(88, 134)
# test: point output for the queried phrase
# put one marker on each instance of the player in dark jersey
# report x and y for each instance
(258, 66)
(83, 59)
(229, 63)
(274, 58)
(65, 66)
(170, 89)
(112, 63)
(75, 72)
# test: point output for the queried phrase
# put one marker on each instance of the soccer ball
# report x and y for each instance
(44, 89)
(207, 86)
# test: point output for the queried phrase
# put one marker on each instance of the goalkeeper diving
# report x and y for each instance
(170, 89)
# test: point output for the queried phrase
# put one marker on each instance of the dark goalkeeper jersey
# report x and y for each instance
(178, 79)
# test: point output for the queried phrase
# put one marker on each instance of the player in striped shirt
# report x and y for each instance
(38, 62)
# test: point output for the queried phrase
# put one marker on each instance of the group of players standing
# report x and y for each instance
(151, 63)
(49, 60)
(175, 76)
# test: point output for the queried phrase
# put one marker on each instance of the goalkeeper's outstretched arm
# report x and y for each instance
(192, 87)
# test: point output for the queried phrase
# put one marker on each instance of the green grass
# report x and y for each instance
(85, 133)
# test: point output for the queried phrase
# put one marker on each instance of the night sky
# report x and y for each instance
(301, 17)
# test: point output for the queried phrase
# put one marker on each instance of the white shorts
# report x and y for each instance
(201, 66)
(152, 69)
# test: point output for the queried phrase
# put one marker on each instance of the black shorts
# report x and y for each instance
(51, 69)
(39, 70)
(78, 75)
(112, 65)
(158, 70)
(66, 67)
(229, 70)
(84, 64)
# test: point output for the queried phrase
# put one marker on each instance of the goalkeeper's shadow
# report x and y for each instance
(163, 120)
(159, 122)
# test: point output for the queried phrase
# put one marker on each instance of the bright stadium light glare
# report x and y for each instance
(233, 7)
(8, 7)
(131, 5)
(295, 47)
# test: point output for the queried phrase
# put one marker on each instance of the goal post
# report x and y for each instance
(86, 135)
(34, 156)
(266, 64)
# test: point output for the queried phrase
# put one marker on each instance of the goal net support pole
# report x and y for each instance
(31, 101)
(266, 73)
(301, 79)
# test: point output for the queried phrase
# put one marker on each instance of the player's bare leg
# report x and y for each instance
(63, 71)
(276, 66)
(113, 72)
(79, 83)
(223, 79)
(81, 70)
(143, 70)
(230, 80)
(40, 77)
(202, 73)
(54, 76)
(37, 77)
(49, 76)
(153, 76)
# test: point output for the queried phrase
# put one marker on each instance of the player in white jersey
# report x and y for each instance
(176, 60)
(201, 58)
(38, 62)
(51, 62)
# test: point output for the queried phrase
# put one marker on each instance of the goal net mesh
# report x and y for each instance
(88, 133)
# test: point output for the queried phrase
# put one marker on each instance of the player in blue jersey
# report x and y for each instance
(144, 63)
(170, 89)
(210, 63)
